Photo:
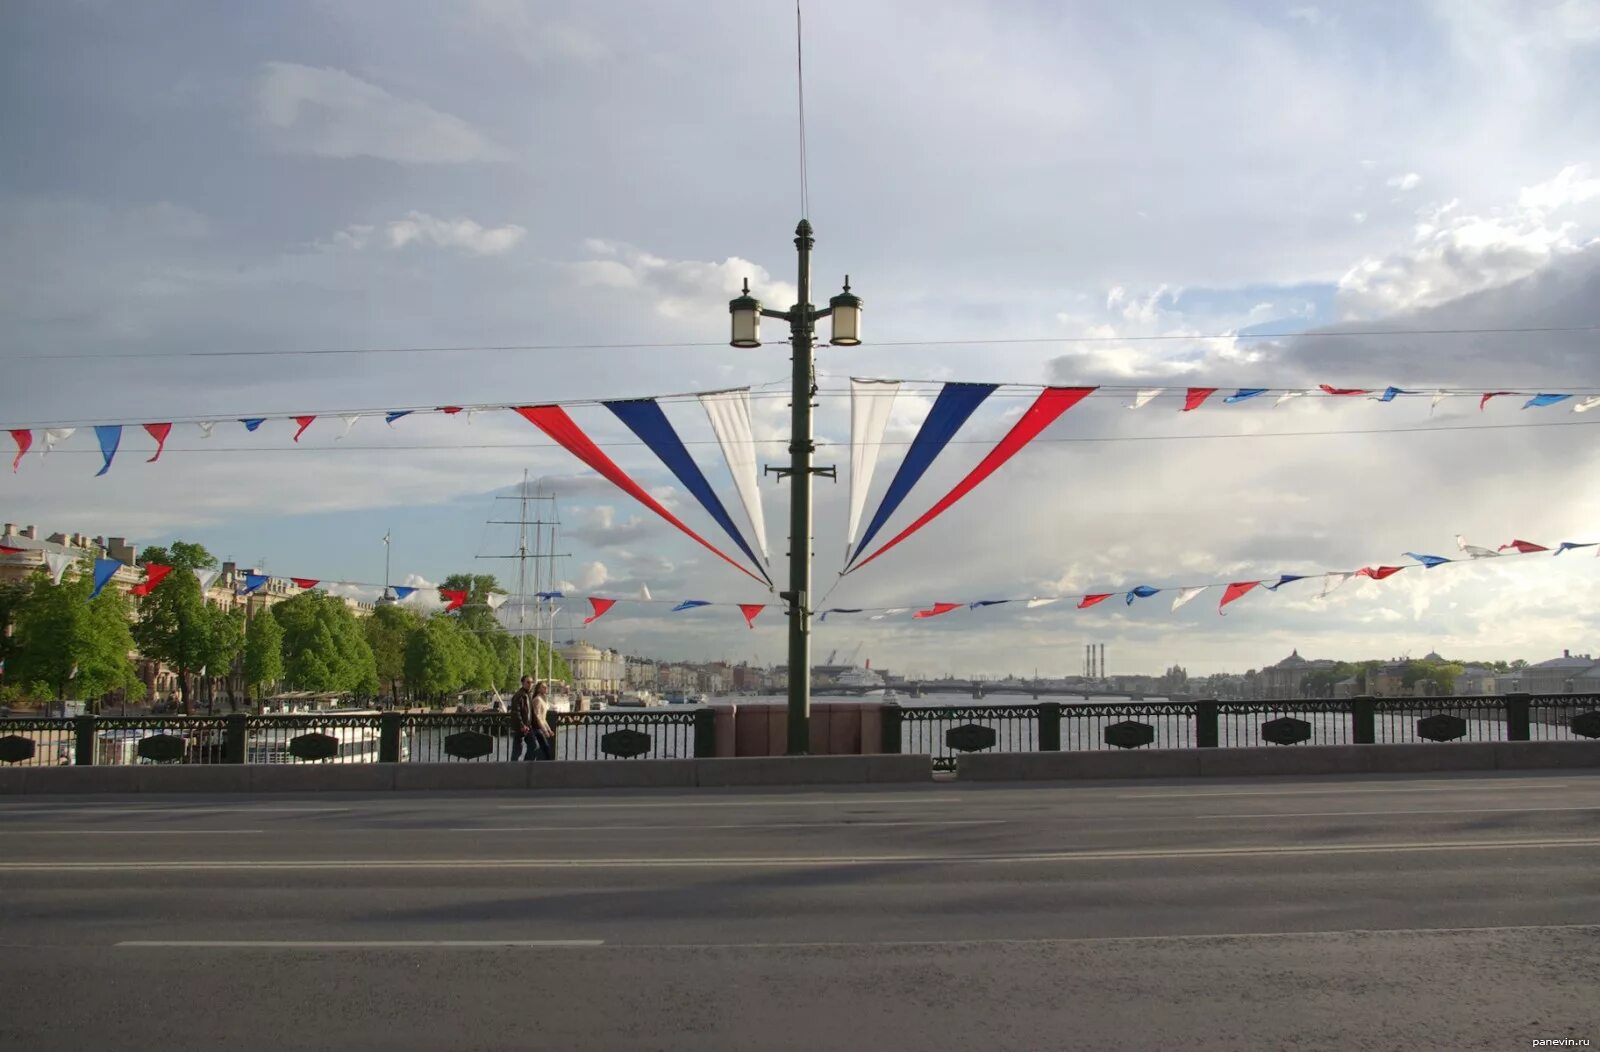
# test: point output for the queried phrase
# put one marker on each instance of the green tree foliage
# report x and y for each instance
(12, 597)
(324, 648)
(67, 645)
(387, 631)
(263, 652)
(176, 625)
(501, 658)
(442, 657)
(1440, 676)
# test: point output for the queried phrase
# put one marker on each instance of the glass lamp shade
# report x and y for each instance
(746, 315)
(846, 318)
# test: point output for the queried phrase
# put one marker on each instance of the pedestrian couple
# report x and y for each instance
(529, 727)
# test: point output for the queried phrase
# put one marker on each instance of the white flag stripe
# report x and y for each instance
(1186, 594)
(1332, 581)
(1286, 396)
(52, 435)
(1143, 397)
(58, 563)
(729, 412)
(1042, 602)
(1587, 404)
(871, 401)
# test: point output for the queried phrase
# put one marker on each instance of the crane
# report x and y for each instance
(831, 655)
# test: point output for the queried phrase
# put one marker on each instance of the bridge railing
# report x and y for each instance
(332, 737)
(947, 731)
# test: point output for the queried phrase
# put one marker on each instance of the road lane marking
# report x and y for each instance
(680, 828)
(684, 802)
(324, 944)
(133, 832)
(47, 809)
(1391, 813)
(1476, 785)
(796, 862)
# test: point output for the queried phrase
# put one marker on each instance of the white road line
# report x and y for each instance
(1392, 813)
(798, 862)
(689, 803)
(402, 944)
(133, 832)
(47, 809)
(680, 828)
(1341, 790)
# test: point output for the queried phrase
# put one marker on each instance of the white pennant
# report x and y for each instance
(1475, 551)
(1186, 594)
(58, 563)
(1143, 397)
(1286, 396)
(496, 600)
(52, 435)
(206, 577)
(729, 412)
(1333, 581)
(888, 613)
(349, 422)
(205, 427)
(1437, 398)
(1587, 404)
(870, 404)
(644, 592)
(1042, 602)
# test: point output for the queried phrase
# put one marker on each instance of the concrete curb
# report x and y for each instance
(1278, 760)
(377, 777)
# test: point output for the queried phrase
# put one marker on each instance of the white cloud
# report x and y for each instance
(592, 576)
(420, 228)
(517, 25)
(679, 289)
(331, 113)
(1408, 181)
(1572, 185)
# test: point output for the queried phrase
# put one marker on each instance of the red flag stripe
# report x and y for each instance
(1050, 404)
(24, 441)
(1344, 392)
(1378, 573)
(455, 598)
(1089, 600)
(554, 421)
(306, 582)
(750, 610)
(1492, 394)
(159, 432)
(154, 574)
(599, 606)
(1196, 396)
(304, 422)
(938, 608)
(1234, 591)
(1525, 547)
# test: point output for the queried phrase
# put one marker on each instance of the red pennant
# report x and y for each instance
(450, 410)
(159, 432)
(554, 421)
(304, 422)
(306, 582)
(750, 610)
(1051, 403)
(1492, 394)
(1378, 573)
(154, 574)
(1524, 547)
(1344, 392)
(6, 549)
(936, 609)
(600, 606)
(1234, 591)
(455, 598)
(24, 441)
(1089, 600)
(1196, 396)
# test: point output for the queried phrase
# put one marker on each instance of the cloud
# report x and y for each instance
(330, 113)
(517, 25)
(1572, 185)
(1408, 181)
(601, 528)
(679, 289)
(419, 228)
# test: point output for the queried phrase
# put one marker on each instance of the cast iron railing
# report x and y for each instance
(946, 731)
(370, 737)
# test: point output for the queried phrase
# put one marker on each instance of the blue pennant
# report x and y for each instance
(1144, 591)
(252, 422)
(646, 420)
(1569, 545)
(110, 437)
(391, 417)
(103, 570)
(1285, 579)
(1242, 393)
(986, 602)
(1428, 561)
(956, 402)
(252, 581)
(549, 595)
(690, 604)
(401, 591)
(1545, 399)
(839, 610)
(1390, 392)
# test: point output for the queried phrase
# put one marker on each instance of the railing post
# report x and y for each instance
(705, 733)
(234, 737)
(1050, 726)
(553, 718)
(1364, 720)
(891, 727)
(1518, 717)
(83, 740)
(388, 737)
(1205, 723)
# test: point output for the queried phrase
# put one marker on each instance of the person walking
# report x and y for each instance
(530, 724)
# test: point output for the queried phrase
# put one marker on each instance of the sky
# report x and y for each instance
(189, 191)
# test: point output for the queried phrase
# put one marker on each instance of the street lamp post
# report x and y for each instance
(746, 314)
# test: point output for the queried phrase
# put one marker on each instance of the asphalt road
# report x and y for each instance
(1421, 913)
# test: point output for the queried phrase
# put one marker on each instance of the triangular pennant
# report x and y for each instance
(52, 435)
(110, 437)
(250, 423)
(207, 577)
(104, 570)
(495, 600)
(252, 581)
(1286, 396)
(390, 417)
(402, 592)
(690, 604)
(1285, 579)
(644, 592)
(1186, 594)
(987, 602)
(1244, 393)
(1234, 591)
(549, 595)
(304, 422)
(349, 422)
(306, 583)
(1525, 547)
(1051, 403)
(1143, 591)
(1378, 573)
(750, 610)
(154, 574)
(935, 610)
(1344, 392)
(57, 562)
(1587, 404)
(24, 440)
(599, 606)
(1438, 397)
(1567, 546)
(448, 410)
(1196, 396)
(1090, 600)
(1389, 394)
(729, 413)
(839, 610)
(206, 427)
(1491, 394)
(1474, 550)
(554, 421)
(871, 402)
(159, 432)
(1544, 399)
(650, 425)
(1332, 581)
(454, 598)
(1037, 602)
(1428, 561)
(1143, 398)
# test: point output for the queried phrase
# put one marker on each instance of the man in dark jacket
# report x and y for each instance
(529, 729)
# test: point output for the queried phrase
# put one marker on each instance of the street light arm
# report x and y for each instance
(767, 312)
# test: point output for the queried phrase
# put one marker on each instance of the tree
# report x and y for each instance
(263, 652)
(499, 646)
(387, 631)
(64, 642)
(176, 626)
(442, 657)
(324, 648)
